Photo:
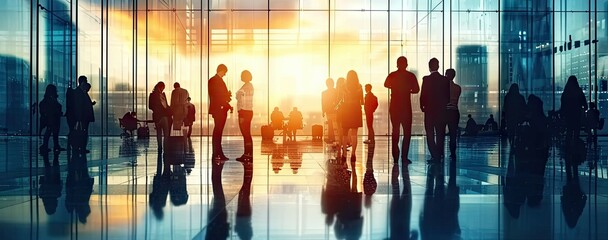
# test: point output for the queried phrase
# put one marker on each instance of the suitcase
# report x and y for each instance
(317, 132)
(175, 147)
(143, 132)
(267, 133)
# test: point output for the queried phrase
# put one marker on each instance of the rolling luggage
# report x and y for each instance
(175, 148)
(317, 132)
(143, 132)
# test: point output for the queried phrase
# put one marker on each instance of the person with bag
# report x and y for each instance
(84, 115)
(244, 98)
(371, 104)
(50, 117)
(161, 113)
(179, 103)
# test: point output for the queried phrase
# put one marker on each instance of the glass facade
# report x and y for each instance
(291, 47)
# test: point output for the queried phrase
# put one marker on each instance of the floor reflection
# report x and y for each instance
(299, 190)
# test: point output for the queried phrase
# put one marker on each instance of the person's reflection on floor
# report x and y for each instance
(50, 183)
(573, 198)
(278, 158)
(160, 192)
(335, 189)
(79, 187)
(349, 222)
(243, 226)
(439, 216)
(190, 159)
(217, 218)
(178, 190)
(401, 206)
(369, 180)
(294, 153)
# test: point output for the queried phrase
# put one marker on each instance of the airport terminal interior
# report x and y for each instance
(119, 182)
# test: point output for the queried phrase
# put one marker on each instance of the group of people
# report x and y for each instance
(439, 97)
(79, 114)
(181, 113)
(294, 122)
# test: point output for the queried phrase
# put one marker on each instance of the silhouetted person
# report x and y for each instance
(434, 97)
(573, 106)
(50, 118)
(83, 112)
(352, 119)
(514, 111)
(78, 187)
(452, 112)
(179, 102)
(243, 227)
(340, 115)
(329, 100)
(219, 105)
(573, 201)
(190, 116)
(371, 104)
(276, 119)
(161, 113)
(402, 83)
(593, 122)
(244, 98)
(50, 183)
(491, 124)
(471, 128)
(70, 106)
(160, 191)
(294, 153)
(295, 123)
(538, 149)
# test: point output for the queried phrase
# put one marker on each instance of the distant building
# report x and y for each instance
(472, 76)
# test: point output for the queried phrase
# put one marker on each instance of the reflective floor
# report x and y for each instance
(297, 191)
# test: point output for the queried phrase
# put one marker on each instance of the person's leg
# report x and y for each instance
(222, 124)
(454, 117)
(330, 128)
(166, 129)
(440, 140)
(55, 132)
(242, 123)
(429, 129)
(85, 126)
(216, 135)
(45, 140)
(353, 132)
(189, 130)
(247, 134)
(369, 120)
(395, 122)
(406, 124)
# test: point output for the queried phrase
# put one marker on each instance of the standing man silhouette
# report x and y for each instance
(402, 84)
(179, 105)
(371, 104)
(434, 97)
(219, 105)
(329, 100)
(452, 112)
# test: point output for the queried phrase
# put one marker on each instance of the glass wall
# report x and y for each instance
(291, 47)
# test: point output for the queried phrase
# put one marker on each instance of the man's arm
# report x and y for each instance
(388, 83)
(415, 88)
(423, 96)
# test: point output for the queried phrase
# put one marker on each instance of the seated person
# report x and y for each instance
(471, 128)
(295, 122)
(276, 119)
(491, 124)
(129, 122)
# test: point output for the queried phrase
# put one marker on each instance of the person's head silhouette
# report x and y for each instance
(368, 88)
(276, 109)
(433, 64)
(160, 87)
(85, 86)
(295, 109)
(469, 116)
(352, 80)
(246, 76)
(450, 74)
(176, 85)
(492, 116)
(514, 88)
(401, 62)
(82, 79)
(329, 83)
(51, 91)
(222, 70)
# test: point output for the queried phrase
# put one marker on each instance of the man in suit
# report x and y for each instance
(402, 84)
(434, 97)
(219, 104)
(84, 113)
